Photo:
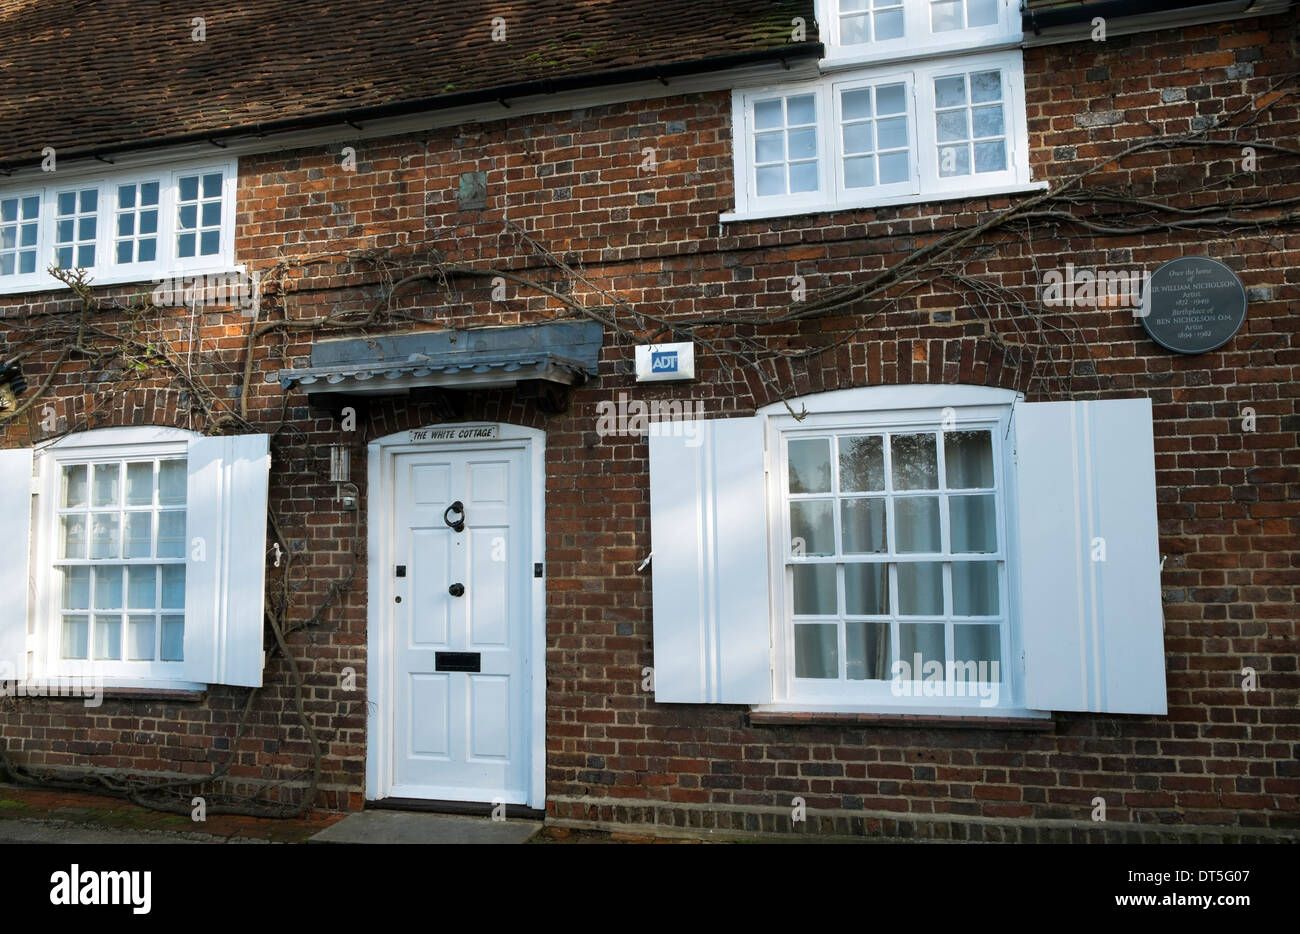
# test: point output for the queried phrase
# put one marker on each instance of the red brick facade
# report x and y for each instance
(1229, 499)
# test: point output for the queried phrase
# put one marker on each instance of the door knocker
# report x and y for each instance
(459, 524)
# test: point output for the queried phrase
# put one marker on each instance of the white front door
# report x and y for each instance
(460, 624)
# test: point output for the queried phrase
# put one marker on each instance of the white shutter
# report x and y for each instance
(226, 528)
(708, 530)
(15, 559)
(1093, 630)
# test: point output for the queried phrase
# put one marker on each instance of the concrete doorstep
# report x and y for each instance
(415, 827)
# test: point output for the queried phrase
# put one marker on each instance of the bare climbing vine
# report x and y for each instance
(122, 341)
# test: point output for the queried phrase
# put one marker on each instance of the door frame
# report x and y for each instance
(381, 674)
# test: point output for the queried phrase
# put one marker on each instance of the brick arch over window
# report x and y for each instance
(971, 361)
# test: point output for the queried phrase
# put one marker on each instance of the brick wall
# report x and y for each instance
(1228, 502)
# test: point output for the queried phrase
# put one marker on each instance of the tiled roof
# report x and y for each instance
(79, 75)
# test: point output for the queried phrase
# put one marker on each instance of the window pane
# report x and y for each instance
(140, 639)
(923, 639)
(862, 522)
(800, 110)
(189, 187)
(854, 30)
(148, 251)
(867, 651)
(74, 485)
(954, 160)
(974, 588)
(72, 537)
(76, 636)
(139, 535)
(769, 147)
(770, 180)
(894, 167)
(189, 216)
(855, 104)
(814, 590)
(143, 592)
(212, 185)
(105, 484)
(171, 482)
(126, 196)
(977, 644)
(951, 125)
(139, 484)
(945, 15)
(76, 588)
(987, 121)
(125, 225)
(866, 589)
(973, 524)
(149, 193)
(860, 172)
(968, 459)
(803, 143)
(986, 86)
(889, 25)
(767, 114)
(981, 12)
(173, 639)
(105, 539)
(857, 138)
(862, 464)
(211, 216)
(891, 99)
(990, 157)
(950, 92)
(148, 222)
(812, 527)
(108, 588)
(810, 465)
(173, 586)
(915, 462)
(210, 242)
(916, 524)
(67, 202)
(920, 589)
(803, 177)
(108, 637)
(816, 650)
(171, 534)
(891, 133)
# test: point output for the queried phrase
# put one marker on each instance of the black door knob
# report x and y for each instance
(456, 590)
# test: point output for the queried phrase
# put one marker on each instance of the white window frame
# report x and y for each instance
(929, 185)
(917, 40)
(46, 631)
(893, 408)
(107, 270)
(44, 222)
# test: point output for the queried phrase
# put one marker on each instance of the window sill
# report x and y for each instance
(900, 200)
(843, 57)
(152, 280)
(1032, 721)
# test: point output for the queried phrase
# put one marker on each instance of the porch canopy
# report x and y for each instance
(558, 354)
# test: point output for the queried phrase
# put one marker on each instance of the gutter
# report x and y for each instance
(501, 94)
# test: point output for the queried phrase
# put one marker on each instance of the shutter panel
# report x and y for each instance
(708, 529)
(224, 592)
(1093, 630)
(15, 559)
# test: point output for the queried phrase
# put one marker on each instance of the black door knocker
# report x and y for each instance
(459, 524)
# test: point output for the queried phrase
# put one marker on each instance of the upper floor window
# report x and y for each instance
(950, 127)
(862, 30)
(121, 227)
